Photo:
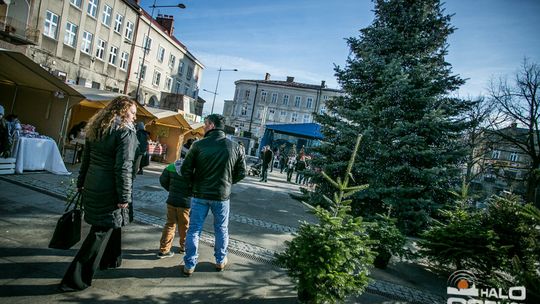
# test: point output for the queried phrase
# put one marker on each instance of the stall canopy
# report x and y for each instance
(168, 118)
(302, 131)
(98, 99)
(20, 71)
(35, 95)
(306, 130)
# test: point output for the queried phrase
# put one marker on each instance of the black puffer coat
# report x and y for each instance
(213, 164)
(178, 187)
(106, 177)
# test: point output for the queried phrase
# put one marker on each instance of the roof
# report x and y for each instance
(96, 94)
(291, 84)
(18, 70)
(307, 130)
(164, 31)
(168, 118)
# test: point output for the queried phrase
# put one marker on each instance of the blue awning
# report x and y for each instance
(306, 130)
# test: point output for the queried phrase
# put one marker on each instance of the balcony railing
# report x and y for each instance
(16, 32)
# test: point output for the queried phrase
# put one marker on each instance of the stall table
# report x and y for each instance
(38, 154)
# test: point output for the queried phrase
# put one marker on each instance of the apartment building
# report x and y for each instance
(164, 64)
(500, 165)
(257, 103)
(101, 44)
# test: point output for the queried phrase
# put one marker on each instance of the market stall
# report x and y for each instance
(167, 133)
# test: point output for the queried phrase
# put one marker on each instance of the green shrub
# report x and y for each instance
(389, 240)
(331, 259)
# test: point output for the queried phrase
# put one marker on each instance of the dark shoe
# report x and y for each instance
(63, 287)
(187, 272)
(221, 267)
(110, 265)
(162, 255)
(182, 250)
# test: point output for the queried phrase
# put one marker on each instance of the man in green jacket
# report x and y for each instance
(212, 165)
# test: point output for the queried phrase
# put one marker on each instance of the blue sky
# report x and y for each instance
(305, 38)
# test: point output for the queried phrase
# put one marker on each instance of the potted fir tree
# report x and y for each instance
(330, 259)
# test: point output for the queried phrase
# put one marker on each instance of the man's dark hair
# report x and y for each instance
(217, 120)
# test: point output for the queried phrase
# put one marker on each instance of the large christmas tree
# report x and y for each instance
(398, 88)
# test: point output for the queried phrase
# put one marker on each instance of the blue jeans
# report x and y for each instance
(199, 211)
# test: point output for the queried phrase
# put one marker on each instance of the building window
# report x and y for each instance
(297, 101)
(147, 44)
(243, 112)
(70, 38)
(172, 61)
(271, 113)
(129, 31)
(51, 25)
(112, 55)
(92, 7)
(495, 154)
(294, 117)
(160, 53)
(168, 84)
(143, 72)
(263, 96)
(286, 100)
(178, 85)
(259, 113)
(86, 45)
(246, 94)
(514, 157)
(106, 16)
(309, 102)
(157, 78)
(118, 23)
(189, 73)
(100, 49)
(322, 110)
(181, 67)
(124, 60)
(282, 115)
(274, 97)
(307, 118)
(76, 3)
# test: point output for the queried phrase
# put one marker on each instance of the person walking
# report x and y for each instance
(142, 159)
(291, 164)
(105, 182)
(267, 158)
(213, 165)
(178, 204)
(299, 168)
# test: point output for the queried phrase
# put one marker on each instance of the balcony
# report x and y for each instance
(17, 32)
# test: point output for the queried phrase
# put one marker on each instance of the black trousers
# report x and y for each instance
(102, 248)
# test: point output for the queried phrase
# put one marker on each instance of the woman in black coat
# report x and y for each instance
(105, 180)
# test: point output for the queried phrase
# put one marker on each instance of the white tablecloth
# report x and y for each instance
(38, 154)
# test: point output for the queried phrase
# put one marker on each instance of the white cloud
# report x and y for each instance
(247, 66)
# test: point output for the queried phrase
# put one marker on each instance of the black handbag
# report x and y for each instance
(68, 228)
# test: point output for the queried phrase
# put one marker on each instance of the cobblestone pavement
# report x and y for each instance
(57, 187)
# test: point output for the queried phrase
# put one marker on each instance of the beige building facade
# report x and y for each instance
(101, 44)
(258, 103)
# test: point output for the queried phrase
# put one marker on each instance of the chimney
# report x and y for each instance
(323, 84)
(290, 79)
(167, 22)
(267, 77)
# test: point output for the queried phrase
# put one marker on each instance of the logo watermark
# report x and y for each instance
(463, 289)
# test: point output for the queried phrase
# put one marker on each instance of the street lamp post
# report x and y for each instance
(146, 48)
(217, 83)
